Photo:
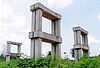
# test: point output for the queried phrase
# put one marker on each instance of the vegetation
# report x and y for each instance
(50, 62)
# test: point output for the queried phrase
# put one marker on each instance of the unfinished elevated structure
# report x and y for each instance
(8, 54)
(80, 46)
(37, 36)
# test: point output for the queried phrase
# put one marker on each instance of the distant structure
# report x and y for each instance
(37, 36)
(80, 46)
(8, 54)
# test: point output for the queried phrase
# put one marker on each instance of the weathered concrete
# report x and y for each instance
(80, 42)
(8, 54)
(37, 36)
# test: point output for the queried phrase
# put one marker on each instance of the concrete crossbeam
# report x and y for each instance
(45, 37)
(13, 43)
(47, 13)
(81, 47)
(84, 32)
(15, 54)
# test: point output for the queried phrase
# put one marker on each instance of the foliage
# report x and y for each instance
(50, 62)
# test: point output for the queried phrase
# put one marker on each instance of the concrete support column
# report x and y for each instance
(57, 33)
(76, 54)
(32, 49)
(80, 52)
(33, 28)
(33, 24)
(19, 49)
(79, 37)
(53, 46)
(8, 52)
(53, 27)
(86, 40)
(83, 40)
(75, 37)
(53, 49)
(38, 20)
(36, 44)
(56, 48)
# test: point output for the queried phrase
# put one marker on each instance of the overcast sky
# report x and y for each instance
(15, 22)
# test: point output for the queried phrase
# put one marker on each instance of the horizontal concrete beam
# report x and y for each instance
(45, 37)
(81, 47)
(46, 12)
(78, 28)
(13, 43)
(15, 54)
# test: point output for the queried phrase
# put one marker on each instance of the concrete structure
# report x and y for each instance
(80, 46)
(8, 54)
(37, 36)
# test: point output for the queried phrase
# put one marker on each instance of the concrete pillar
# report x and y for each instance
(80, 52)
(57, 28)
(57, 33)
(75, 37)
(38, 20)
(86, 40)
(53, 49)
(36, 44)
(56, 48)
(76, 54)
(53, 46)
(33, 24)
(79, 37)
(19, 49)
(8, 52)
(33, 28)
(32, 48)
(83, 40)
(53, 27)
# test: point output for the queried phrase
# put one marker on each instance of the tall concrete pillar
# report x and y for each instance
(36, 26)
(57, 33)
(56, 48)
(38, 20)
(19, 49)
(53, 49)
(76, 54)
(75, 37)
(33, 28)
(80, 52)
(83, 40)
(53, 46)
(38, 45)
(79, 37)
(8, 52)
(86, 40)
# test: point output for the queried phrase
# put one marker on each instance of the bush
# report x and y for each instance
(51, 62)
